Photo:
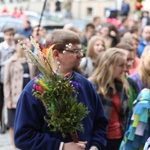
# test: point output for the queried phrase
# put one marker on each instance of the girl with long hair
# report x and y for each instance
(96, 45)
(113, 89)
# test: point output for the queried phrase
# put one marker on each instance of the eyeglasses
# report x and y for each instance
(74, 51)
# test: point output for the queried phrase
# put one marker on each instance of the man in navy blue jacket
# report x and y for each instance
(31, 130)
(144, 41)
(125, 8)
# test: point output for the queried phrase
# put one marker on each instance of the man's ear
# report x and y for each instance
(55, 54)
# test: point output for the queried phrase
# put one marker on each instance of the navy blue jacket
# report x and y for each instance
(26, 32)
(31, 131)
(141, 47)
(125, 8)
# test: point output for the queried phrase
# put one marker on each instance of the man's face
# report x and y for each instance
(70, 60)
(8, 36)
(26, 25)
(135, 44)
(146, 33)
(89, 33)
(35, 31)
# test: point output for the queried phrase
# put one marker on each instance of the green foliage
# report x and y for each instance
(64, 111)
(56, 92)
(139, 1)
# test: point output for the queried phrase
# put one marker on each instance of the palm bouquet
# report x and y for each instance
(58, 94)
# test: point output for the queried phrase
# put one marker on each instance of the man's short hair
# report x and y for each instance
(61, 38)
(9, 30)
(89, 25)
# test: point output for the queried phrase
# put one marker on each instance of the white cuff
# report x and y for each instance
(94, 147)
(61, 146)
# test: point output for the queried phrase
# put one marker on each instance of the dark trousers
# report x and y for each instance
(113, 144)
(1, 105)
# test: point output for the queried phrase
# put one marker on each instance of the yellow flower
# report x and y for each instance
(43, 85)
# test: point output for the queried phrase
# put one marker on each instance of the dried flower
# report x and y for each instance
(68, 46)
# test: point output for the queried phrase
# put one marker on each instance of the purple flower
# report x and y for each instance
(76, 85)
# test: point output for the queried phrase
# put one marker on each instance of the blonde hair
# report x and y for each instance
(103, 74)
(142, 71)
(90, 47)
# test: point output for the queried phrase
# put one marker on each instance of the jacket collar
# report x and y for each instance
(6, 46)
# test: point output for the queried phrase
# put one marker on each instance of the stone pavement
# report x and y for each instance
(5, 142)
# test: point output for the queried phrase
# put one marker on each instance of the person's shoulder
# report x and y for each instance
(28, 88)
(142, 41)
(78, 76)
(132, 82)
(81, 78)
(12, 58)
(2, 45)
(134, 75)
(30, 85)
(85, 60)
(130, 79)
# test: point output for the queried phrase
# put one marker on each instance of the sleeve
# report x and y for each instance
(83, 63)
(30, 132)
(140, 50)
(7, 83)
(99, 136)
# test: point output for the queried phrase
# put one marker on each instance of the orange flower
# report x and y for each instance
(44, 51)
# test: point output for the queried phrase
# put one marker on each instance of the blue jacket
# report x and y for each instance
(26, 32)
(125, 8)
(31, 131)
(141, 47)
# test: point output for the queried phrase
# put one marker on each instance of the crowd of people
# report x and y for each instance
(110, 62)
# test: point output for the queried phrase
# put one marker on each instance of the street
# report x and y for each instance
(5, 142)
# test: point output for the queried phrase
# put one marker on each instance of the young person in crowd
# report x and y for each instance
(6, 50)
(27, 30)
(113, 89)
(88, 33)
(138, 125)
(18, 72)
(125, 8)
(38, 35)
(95, 46)
(133, 88)
(105, 34)
(31, 129)
(128, 49)
(133, 40)
(97, 22)
(142, 77)
(145, 40)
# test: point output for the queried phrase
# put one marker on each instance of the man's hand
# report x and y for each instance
(75, 146)
(9, 105)
(93, 148)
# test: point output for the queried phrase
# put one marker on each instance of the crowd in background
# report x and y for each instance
(116, 60)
